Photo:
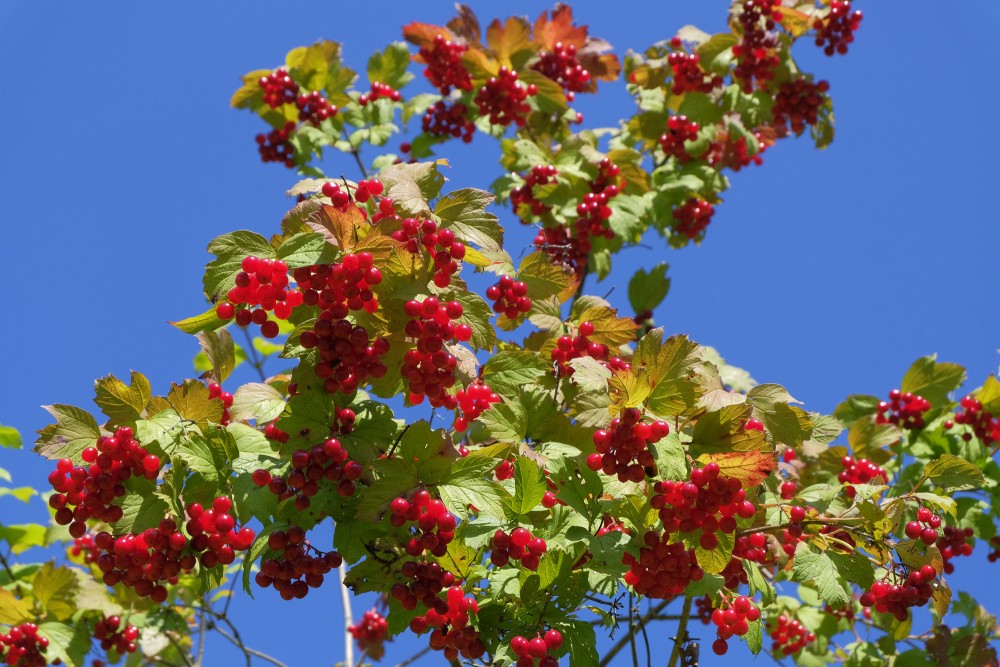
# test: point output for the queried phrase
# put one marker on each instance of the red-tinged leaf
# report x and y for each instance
(559, 28)
(465, 24)
(751, 468)
(423, 34)
(341, 228)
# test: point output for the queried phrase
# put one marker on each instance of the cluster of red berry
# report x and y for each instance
(435, 525)
(429, 369)
(860, 471)
(275, 434)
(924, 528)
(23, 646)
(141, 562)
(215, 393)
(450, 620)
(509, 297)
(729, 152)
(594, 212)
(692, 217)
(293, 571)
(835, 31)
(340, 287)
(314, 108)
(379, 91)
(213, 532)
(679, 130)
(983, 424)
(755, 53)
(503, 99)
(473, 401)
(623, 447)
(347, 356)
(276, 147)
(370, 633)
(789, 636)
(540, 174)
(561, 65)
(444, 69)
(709, 501)
(84, 547)
(913, 590)
(89, 492)
(797, 104)
(519, 545)
(444, 120)
(262, 286)
(425, 582)
(752, 547)
(416, 233)
(111, 634)
(955, 542)
(905, 409)
(664, 568)
(688, 74)
(278, 88)
(572, 347)
(564, 249)
(735, 619)
(329, 461)
(504, 470)
(540, 648)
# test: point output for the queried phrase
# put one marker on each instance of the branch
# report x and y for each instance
(416, 656)
(203, 623)
(180, 651)
(247, 651)
(681, 631)
(345, 600)
(609, 656)
(255, 360)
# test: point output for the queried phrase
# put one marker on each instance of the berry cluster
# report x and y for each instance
(111, 634)
(679, 130)
(797, 104)
(915, 590)
(141, 562)
(444, 67)
(983, 424)
(435, 525)
(262, 286)
(450, 620)
(924, 528)
(905, 410)
(347, 357)
(622, 448)
(835, 31)
(370, 633)
(445, 120)
(509, 297)
(861, 471)
(23, 646)
(314, 108)
(215, 393)
(752, 547)
(755, 57)
(539, 648)
(276, 147)
(379, 91)
(329, 461)
(504, 470)
(540, 174)
(664, 568)
(735, 619)
(688, 74)
(573, 347)
(367, 189)
(84, 548)
(502, 99)
(561, 65)
(341, 287)
(729, 152)
(955, 542)
(429, 369)
(416, 233)
(89, 492)
(275, 434)
(294, 571)
(473, 401)
(692, 217)
(278, 88)
(426, 580)
(789, 636)
(709, 501)
(519, 545)
(994, 555)
(564, 248)
(594, 211)
(213, 532)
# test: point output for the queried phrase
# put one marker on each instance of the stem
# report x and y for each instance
(416, 656)
(229, 598)
(180, 651)
(203, 624)
(616, 649)
(255, 360)
(345, 600)
(249, 651)
(645, 639)
(681, 631)
(399, 437)
(356, 152)
(631, 630)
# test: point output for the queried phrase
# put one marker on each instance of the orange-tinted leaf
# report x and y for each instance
(795, 22)
(751, 468)
(480, 65)
(509, 38)
(423, 34)
(341, 228)
(604, 67)
(559, 29)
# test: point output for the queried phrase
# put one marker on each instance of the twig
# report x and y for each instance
(255, 360)
(681, 631)
(399, 437)
(616, 649)
(345, 600)
(645, 639)
(249, 651)
(229, 598)
(180, 650)
(631, 630)
(203, 623)
(416, 656)
(356, 152)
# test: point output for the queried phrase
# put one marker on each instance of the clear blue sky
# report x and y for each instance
(828, 272)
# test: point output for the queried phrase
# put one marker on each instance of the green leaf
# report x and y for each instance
(581, 643)
(508, 371)
(529, 485)
(855, 407)
(954, 473)
(714, 561)
(787, 424)
(647, 289)
(724, 430)
(467, 485)
(10, 437)
(394, 477)
(257, 401)
(207, 321)
(671, 369)
(123, 404)
(759, 584)
(671, 460)
(55, 589)
(141, 511)
(989, 395)
(755, 637)
(203, 454)
(476, 313)
(389, 66)
(12, 610)
(464, 213)
(306, 249)
(932, 380)
(819, 569)
(545, 278)
(853, 567)
(191, 401)
(75, 430)
(69, 643)
(411, 185)
(23, 536)
(220, 351)
(507, 422)
(230, 250)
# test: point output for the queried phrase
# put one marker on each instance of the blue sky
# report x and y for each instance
(828, 272)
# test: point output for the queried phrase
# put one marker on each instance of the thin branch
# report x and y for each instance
(631, 630)
(255, 360)
(616, 649)
(356, 152)
(249, 651)
(416, 656)
(681, 631)
(180, 650)
(345, 600)
(203, 623)
(392, 450)
(645, 639)
(229, 598)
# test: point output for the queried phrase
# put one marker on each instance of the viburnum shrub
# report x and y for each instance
(591, 457)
